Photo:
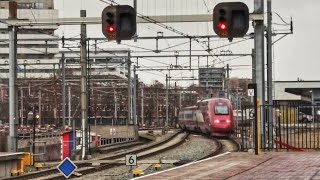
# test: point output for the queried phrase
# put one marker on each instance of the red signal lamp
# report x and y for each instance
(222, 26)
(110, 29)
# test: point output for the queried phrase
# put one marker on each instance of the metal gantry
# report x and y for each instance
(83, 20)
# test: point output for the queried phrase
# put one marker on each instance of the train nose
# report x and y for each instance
(222, 124)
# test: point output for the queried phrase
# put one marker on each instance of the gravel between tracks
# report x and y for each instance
(194, 148)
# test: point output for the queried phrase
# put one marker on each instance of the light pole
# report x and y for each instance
(35, 117)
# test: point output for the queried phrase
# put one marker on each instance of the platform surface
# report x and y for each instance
(243, 165)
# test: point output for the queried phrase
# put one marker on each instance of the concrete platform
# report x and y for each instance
(235, 166)
(10, 161)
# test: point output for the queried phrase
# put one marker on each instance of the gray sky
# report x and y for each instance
(294, 56)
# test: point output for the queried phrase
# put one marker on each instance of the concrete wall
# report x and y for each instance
(6, 166)
(120, 131)
(53, 147)
(53, 152)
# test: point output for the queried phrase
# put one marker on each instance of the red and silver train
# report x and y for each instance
(212, 116)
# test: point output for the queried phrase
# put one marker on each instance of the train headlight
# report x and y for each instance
(228, 121)
(216, 121)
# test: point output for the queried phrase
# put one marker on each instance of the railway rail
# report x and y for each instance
(116, 158)
(194, 148)
(109, 161)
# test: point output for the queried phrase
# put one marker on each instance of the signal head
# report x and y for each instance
(109, 22)
(231, 19)
(119, 22)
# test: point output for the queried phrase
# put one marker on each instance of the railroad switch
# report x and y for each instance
(157, 166)
(137, 172)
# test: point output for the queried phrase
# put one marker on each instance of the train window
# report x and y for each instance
(221, 110)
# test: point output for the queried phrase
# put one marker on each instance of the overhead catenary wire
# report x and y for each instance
(164, 51)
(163, 25)
(281, 18)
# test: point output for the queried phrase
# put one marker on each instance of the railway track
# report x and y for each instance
(218, 147)
(191, 150)
(110, 161)
(223, 145)
(230, 145)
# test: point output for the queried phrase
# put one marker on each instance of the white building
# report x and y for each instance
(30, 53)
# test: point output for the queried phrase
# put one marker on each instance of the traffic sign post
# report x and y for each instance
(251, 92)
(67, 167)
(131, 160)
(252, 89)
(251, 113)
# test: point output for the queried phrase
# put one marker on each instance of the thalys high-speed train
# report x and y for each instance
(212, 116)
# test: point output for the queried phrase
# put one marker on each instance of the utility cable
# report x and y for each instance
(161, 25)
(281, 18)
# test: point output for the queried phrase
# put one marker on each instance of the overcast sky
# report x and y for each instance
(294, 56)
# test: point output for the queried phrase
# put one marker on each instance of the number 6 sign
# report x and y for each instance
(131, 160)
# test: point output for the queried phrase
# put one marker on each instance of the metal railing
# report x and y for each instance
(39, 135)
(285, 127)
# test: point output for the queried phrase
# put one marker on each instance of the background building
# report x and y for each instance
(31, 54)
(213, 79)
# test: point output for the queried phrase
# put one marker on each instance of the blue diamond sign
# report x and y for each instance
(67, 167)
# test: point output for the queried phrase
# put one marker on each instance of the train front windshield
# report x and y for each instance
(221, 110)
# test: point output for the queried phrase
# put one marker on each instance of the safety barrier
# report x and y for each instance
(284, 127)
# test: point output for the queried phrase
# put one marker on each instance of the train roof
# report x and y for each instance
(189, 107)
(214, 99)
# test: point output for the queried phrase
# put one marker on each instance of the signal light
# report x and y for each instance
(110, 29)
(109, 21)
(231, 19)
(119, 22)
(222, 26)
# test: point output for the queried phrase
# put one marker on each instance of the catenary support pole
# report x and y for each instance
(142, 108)
(115, 106)
(167, 102)
(157, 106)
(228, 81)
(69, 106)
(259, 60)
(134, 99)
(84, 105)
(39, 109)
(253, 66)
(129, 94)
(13, 103)
(269, 73)
(63, 93)
(21, 108)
